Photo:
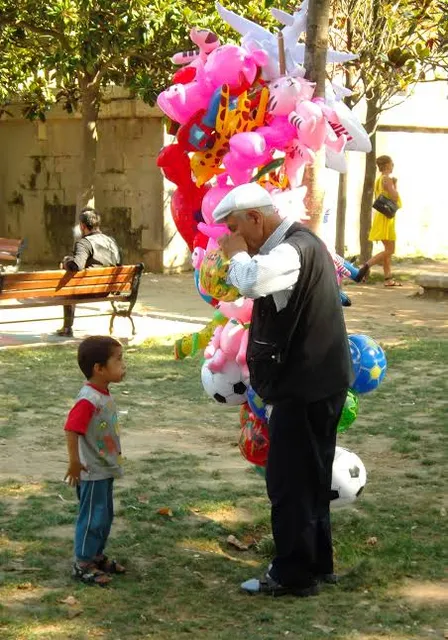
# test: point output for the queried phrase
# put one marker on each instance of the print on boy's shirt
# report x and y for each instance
(94, 418)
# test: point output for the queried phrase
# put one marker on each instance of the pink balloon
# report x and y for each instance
(231, 338)
(213, 231)
(241, 309)
(278, 133)
(247, 151)
(286, 92)
(181, 101)
(310, 124)
(233, 65)
(212, 198)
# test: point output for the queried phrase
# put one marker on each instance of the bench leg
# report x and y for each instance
(123, 314)
(111, 323)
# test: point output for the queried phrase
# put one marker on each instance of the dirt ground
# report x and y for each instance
(389, 313)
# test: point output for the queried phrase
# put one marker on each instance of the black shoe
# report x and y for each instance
(270, 587)
(65, 332)
(362, 273)
(327, 578)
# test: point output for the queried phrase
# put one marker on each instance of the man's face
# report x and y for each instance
(84, 230)
(250, 226)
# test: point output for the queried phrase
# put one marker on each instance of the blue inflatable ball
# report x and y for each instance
(256, 404)
(372, 366)
(355, 356)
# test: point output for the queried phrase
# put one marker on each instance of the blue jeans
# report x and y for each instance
(96, 512)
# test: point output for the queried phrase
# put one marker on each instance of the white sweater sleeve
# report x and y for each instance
(263, 275)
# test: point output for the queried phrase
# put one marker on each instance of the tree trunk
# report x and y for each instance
(315, 63)
(365, 214)
(340, 214)
(90, 105)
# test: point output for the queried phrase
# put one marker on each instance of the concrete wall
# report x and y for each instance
(421, 168)
(40, 173)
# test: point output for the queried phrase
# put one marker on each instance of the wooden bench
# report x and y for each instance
(49, 288)
(11, 251)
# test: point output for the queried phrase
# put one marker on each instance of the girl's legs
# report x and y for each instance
(389, 250)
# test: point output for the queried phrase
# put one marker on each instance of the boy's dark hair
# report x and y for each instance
(90, 217)
(95, 350)
(382, 161)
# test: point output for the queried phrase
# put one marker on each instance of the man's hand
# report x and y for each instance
(73, 475)
(232, 244)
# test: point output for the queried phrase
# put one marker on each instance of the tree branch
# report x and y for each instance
(41, 31)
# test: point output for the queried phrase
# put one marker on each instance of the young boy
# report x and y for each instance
(94, 452)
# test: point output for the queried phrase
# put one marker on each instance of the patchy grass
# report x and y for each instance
(184, 576)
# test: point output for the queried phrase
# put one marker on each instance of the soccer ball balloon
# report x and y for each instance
(349, 412)
(254, 438)
(373, 363)
(348, 479)
(227, 386)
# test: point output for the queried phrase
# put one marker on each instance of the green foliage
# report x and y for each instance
(399, 44)
(68, 44)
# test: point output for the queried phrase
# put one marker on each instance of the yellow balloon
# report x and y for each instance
(213, 277)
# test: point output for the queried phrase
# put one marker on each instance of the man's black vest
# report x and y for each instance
(302, 350)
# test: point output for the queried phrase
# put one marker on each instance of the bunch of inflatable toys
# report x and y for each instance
(245, 113)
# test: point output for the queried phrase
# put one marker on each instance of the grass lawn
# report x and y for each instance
(183, 575)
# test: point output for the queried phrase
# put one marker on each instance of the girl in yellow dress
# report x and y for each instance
(383, 228)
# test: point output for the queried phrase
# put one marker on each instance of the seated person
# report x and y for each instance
(93, 249)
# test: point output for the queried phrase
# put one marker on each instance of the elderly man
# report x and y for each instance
(93, 249)
(300, 365)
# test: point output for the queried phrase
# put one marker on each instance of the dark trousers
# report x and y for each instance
(298, 476)
(96, 513)
(69, 315)
(69, 309)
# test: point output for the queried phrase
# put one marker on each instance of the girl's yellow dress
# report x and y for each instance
(383, 228)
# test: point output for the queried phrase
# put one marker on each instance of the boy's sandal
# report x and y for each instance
(109, 566)
(391, 282)
(90, 574)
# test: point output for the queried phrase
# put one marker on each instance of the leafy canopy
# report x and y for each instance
(70, 44)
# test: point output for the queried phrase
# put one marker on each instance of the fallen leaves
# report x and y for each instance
(70, 600)
(165, 511)
(74, 608)
(323, 628)
(232, 540)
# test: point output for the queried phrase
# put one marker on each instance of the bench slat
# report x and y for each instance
(55, 302)
(25, 276)
(8, 256)
(68, 291)
(56, 283)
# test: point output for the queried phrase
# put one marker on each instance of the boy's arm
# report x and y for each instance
(74, 464)
(76, 427)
